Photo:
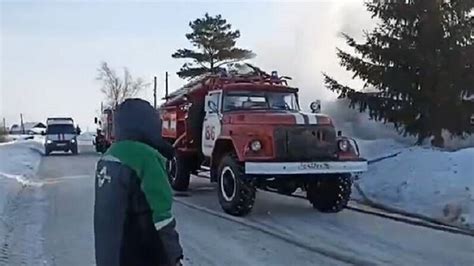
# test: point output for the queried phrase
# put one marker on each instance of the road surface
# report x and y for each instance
(50, 223)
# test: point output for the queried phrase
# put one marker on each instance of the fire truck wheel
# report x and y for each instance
(178, 173)
(74, 150)
(329, 194)
(236, 195)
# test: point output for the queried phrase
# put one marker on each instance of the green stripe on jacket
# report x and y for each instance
(149, 165)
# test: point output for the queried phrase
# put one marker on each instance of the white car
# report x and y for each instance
(37, 131)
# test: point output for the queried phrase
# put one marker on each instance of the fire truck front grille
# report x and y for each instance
(305, 143)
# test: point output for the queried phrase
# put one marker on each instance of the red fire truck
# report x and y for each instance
(105, 135)
(249, 132)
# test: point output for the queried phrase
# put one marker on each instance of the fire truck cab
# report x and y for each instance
(249, 131)
(105, 134)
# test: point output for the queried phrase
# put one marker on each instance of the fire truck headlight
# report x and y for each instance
(73, 141)
(256, 145)
(49, 141)
(343, 145)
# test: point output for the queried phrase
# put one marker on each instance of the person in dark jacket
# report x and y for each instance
(133, 223)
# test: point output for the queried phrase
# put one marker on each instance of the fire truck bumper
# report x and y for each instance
(304, 168)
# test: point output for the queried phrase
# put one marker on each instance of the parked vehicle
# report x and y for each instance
(30, 128)
(61, 135)
(249, 131)
(104, 135)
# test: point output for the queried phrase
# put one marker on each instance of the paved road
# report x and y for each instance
(51, 224)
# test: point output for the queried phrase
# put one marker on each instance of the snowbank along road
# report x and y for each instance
(50, 223)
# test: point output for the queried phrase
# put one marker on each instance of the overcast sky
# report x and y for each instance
(50, 50)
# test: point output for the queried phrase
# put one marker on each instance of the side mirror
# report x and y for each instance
(95, 120)
(212, 106)
(316, 106)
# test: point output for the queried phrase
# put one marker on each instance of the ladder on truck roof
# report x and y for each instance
(225, 78)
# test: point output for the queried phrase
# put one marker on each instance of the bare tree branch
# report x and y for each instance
(115, 88)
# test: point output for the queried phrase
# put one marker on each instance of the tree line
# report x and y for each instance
(417, 62)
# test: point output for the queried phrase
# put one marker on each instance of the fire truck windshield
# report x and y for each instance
(251, 100)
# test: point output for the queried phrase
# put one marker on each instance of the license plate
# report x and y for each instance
(314, 165)
(61, 144)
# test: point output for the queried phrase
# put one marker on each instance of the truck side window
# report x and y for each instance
(214, 97)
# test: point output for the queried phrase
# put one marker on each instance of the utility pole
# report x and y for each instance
(22, 125)
(4, 125)
(154, 92)
(166, 85)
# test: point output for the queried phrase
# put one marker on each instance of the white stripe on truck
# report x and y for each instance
(299, 119)
(312, 120)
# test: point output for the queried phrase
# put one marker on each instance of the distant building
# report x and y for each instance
(29, 127)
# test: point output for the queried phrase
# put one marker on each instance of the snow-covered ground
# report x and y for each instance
(39, 227)
(11, 138)
(421, 180)
(19, 161)
(20, 157)
(86, 138)
(379, 148)
(281, 230)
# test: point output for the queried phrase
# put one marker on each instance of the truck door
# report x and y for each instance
(212, 121)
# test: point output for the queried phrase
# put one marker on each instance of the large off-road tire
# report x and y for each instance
(330, 194)
(236, 195)
(74, 150)
(47, 151)
(179, 173)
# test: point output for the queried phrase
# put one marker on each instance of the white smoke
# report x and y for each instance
(359, 125)
(305, 40)
(303, 45)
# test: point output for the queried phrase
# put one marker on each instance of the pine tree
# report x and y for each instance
(419, 59)
(214, 41)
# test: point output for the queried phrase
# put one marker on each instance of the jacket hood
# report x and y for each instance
(137, 120)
